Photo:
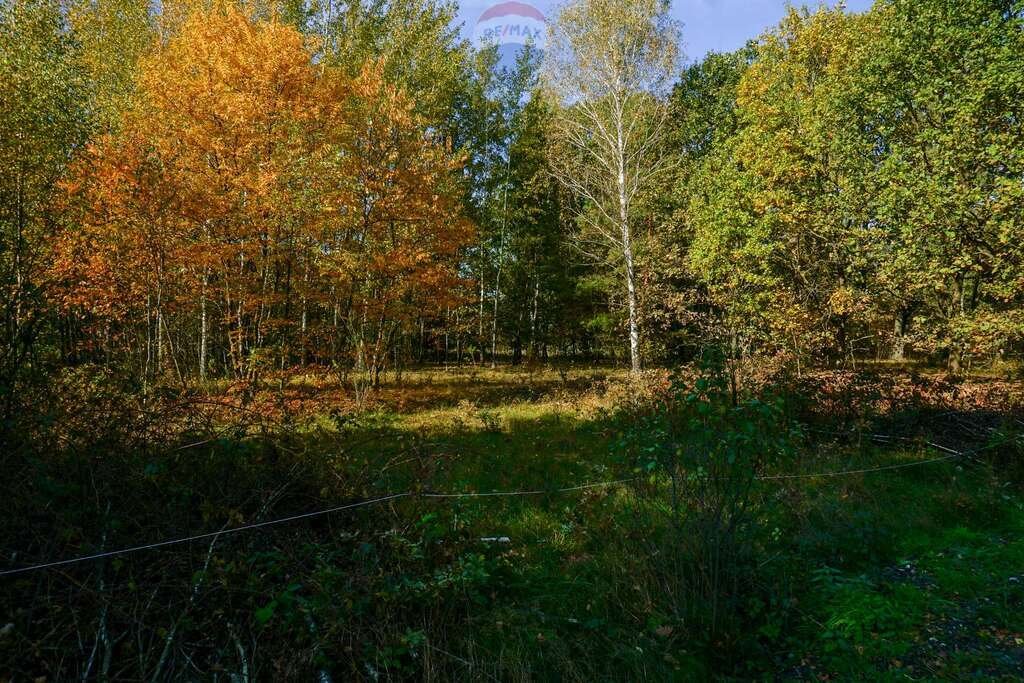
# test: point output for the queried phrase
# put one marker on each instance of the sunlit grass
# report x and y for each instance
(569, 560)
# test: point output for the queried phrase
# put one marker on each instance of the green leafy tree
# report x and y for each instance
(677, 308)
(43, 121)
(777, 209)
(417, 42)
(112, 35)
(946, 89)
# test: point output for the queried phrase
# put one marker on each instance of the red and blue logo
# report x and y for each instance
(510, 23)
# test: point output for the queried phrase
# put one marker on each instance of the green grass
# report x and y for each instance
(871, 574)
(913, 574)
(910, 576)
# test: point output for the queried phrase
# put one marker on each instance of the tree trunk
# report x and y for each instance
(899, 335)
(631, 294)
(447, 318)
(494, 319)
(497, 274)
(627, 257)
(304, 353)
(480, 321)
(203, 330)
(494, 324)
(957, 308)
(159, 332)
(533, 319)
(956, 357)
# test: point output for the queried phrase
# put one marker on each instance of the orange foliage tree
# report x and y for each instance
(257, 209)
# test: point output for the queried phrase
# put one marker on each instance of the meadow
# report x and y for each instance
(537, 539)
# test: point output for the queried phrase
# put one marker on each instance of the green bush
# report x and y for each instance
(697, 455)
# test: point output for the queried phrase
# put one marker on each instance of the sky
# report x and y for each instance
(708, 25)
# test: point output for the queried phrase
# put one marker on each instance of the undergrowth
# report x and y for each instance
(703, 566)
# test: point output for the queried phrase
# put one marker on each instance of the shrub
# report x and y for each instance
(697, 455)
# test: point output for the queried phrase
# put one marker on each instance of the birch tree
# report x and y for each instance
(610, 63)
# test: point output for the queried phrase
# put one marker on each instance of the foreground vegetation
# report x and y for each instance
(899, 572)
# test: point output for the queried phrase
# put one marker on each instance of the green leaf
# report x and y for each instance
(265, 614)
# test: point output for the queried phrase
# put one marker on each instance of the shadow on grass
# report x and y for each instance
(559, 600)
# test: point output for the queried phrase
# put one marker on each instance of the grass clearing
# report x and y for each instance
(911, 573)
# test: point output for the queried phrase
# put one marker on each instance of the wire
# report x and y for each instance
(295, 518)
(445, 496)
(953, 455)
(200, 537)
(843, 473)
(538, 492)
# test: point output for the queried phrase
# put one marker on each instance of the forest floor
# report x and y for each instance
(915, 572)
(889, 574)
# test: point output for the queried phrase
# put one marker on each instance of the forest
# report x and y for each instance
(334, 348)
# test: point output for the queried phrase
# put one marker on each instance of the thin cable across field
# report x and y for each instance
(451, 496)
(200, 537)
(296, 518)
(869, 470)
(535, 492)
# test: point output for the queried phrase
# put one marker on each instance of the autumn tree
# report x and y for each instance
(609, 64)
(403, 232)
(193, 190)
(249, 195)
(871, 189)
(778, 208)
